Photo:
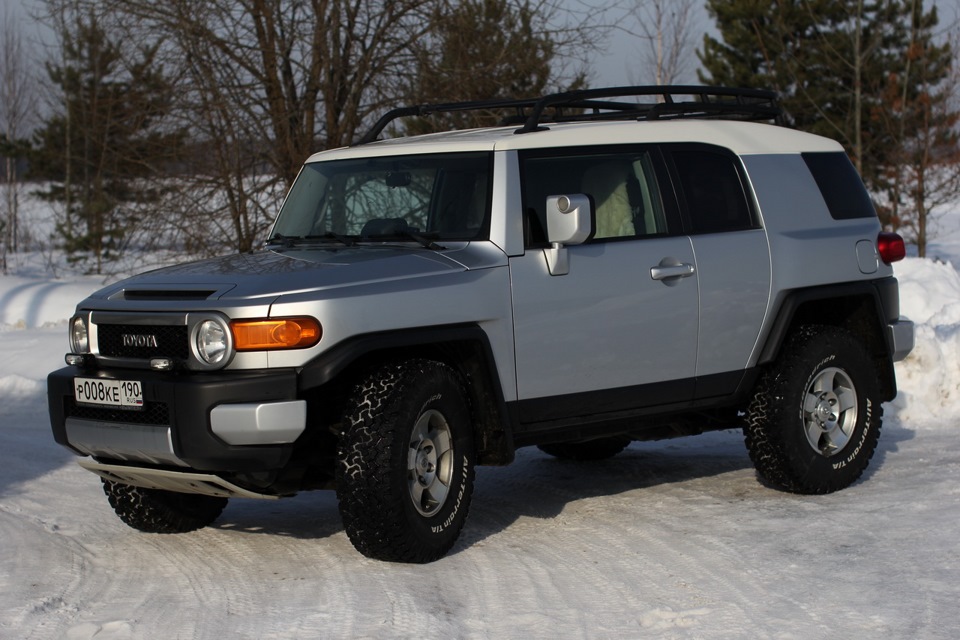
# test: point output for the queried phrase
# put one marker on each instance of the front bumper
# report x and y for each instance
(174, 427)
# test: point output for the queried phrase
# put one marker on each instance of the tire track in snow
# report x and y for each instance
(572, 511)
(670, 541)
(186, 583)
(649, 524)
(46, 565)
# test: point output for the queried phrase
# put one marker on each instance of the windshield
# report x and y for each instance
(442, 196)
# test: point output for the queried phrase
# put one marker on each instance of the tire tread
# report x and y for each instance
(370, 488)
(158, 511)
(770, 416)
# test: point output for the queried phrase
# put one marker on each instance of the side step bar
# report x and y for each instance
(179, 481)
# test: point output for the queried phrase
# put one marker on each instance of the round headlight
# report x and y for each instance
(79, 342)
(212, 343)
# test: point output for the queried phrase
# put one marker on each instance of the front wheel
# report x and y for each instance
(814, 421)
(405, 462)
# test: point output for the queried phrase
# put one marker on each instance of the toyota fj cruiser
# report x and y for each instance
(600, 267)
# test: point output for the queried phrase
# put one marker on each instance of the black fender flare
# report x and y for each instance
(884, 308)
(496, 445)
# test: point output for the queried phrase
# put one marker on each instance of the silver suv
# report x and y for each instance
(602, 266)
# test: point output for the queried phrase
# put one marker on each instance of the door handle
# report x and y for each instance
(664, 271)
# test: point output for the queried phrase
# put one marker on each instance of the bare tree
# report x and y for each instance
(265, 83)
(262, 84)
(17, 108)
(666, 27)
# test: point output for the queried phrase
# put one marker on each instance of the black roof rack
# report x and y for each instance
(670, 102)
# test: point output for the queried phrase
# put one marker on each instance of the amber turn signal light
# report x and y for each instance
(275, 333)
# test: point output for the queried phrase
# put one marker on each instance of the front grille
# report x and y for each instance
(171, 341)
(152, 413)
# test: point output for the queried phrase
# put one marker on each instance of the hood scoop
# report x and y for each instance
(165, 294)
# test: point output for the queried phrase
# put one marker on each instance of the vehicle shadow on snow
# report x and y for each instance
(891, 435)
(27, 448)
(307, 516)
(535, 485)
(539, 486)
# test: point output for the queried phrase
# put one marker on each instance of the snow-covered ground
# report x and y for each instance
(670, 539)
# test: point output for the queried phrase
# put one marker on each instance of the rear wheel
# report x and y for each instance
(405, 470)
(158, 511)
(814, 421)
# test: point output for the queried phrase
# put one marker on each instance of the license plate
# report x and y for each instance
(126, 394)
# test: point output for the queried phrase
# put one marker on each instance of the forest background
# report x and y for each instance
(176, 128)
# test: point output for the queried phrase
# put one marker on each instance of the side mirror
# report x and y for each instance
(569, 219)
(569, 222)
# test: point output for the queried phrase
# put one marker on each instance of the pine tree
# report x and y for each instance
(824, 57)
(917, 112)
(107, 136)
(864, 73)
(480, 50)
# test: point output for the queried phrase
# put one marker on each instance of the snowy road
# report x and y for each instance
(674, 539)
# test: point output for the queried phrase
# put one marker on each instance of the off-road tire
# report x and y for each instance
(397, 504)
(586, 450)
(158, 511)
(814, 421)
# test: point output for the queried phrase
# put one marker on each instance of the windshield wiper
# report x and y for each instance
(424, 241)
(405, 234)
(380, 229)
(292, 241)
(330, 235)
(279, 238)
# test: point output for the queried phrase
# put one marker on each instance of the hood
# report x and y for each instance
(269, 273)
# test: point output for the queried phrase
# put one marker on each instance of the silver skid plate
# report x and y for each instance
(179, 481)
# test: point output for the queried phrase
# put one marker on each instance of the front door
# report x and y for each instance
(619, 330)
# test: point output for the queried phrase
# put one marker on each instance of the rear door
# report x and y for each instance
(733, 260)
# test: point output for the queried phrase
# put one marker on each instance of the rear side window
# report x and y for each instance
(712, 189)
(840, 185)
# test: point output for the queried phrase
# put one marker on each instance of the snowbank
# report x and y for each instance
(929, 378)
(33, 330)
(28, 303)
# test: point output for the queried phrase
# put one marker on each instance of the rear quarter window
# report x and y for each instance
(840, 185)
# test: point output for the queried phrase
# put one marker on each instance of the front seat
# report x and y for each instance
(607, 184)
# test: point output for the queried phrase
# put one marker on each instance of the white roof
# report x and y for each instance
(743, 138)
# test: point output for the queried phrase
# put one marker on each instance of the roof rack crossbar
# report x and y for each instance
(708, 102)
(448, 107)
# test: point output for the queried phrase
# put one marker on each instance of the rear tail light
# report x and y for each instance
(891, 247)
